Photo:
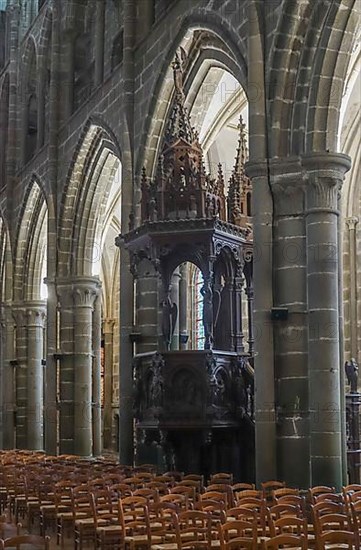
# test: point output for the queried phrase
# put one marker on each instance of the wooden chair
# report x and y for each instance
(80, 508)
(176, 498)
(293, 500)
(193, 529)
(290, 525)
(190, 492)
(285, 541)
(337, 540)
(332, 522)
(237, 534)
(102, 513)
(159, 486)
(319, 490)
(222, 488)
(268, 487)
(280, 510)
(221, 477)
(356, 520)
(23, 541)
(259, 516)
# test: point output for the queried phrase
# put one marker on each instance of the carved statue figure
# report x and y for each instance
(170, 313)
(207, 294)
(157, 381)
(351, 369)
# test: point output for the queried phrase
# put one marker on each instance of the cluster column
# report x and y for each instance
(324, 175)
(19, 312)
(79, 365)
(85, 292)
(8, 377)
(36, 315)
(108, 330)
(290, 334)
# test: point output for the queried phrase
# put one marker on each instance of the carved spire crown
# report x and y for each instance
(240, 187)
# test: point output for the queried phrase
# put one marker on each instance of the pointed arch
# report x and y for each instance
(84, 204)
(31, 245)
(222, 47)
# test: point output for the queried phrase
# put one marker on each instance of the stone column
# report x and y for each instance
(52, 317)
(66, 368)
(96, 409)
(99, 43)
(325, 173)
(8, 379)
(351, 225)
(290, 335)
(85, 291)
(35, 312)
(265, 419)
(262, 208)
(183, 306)
(146, 306)
(174, 296)
(19, 313)
(108, 328)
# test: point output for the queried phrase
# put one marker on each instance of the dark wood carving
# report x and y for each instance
(196, 405)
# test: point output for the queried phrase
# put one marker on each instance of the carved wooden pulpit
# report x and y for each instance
(196, 405)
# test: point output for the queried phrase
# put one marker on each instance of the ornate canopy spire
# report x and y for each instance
(181, 188)
(179, 125)
(240, 188)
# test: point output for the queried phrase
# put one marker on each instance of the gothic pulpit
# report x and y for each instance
(196, 402)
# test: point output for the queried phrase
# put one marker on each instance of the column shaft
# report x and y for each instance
(108, 328)
(8, 380)
(21, 377)
(325, 176)
(290, 335)
(97, 411)
(262, 208)
(84, 297)
(35, 382)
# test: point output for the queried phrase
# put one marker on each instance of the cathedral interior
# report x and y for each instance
(180, 242)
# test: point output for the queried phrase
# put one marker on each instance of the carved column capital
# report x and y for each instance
(36, 313)
(324, 174)
(288, 186)
(19, 314)
(79, 291)
(352, 222)
(108, 325)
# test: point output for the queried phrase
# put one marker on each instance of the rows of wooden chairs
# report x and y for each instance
(115, 507)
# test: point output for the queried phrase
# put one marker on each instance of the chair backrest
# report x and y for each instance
(181, 501)
(285, 491)
(337, 537)
(221, 477)
(152, 495)
(288, 524)
(237, 529)
(286, 541)
(22, 541)
(319, 490)
(279, 510)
